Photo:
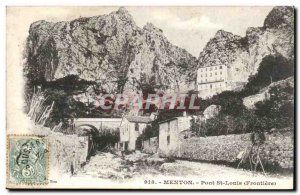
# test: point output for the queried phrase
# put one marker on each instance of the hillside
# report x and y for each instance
(110, 50)
(243, 55)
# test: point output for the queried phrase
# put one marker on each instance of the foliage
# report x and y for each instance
(247, 122)
(151, 131)
(271, 69)
(105, 138)
(37, 108)
(230, 101)
(61, 92)
(214, 126)
(279, 109)
(277, 112)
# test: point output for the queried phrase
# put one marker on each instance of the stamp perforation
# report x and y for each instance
(8, 175)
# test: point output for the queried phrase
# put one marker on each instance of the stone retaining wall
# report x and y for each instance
(214, 148)
(67, 152)
(278, 149)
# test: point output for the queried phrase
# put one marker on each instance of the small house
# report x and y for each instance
(135, 126)
(169, 133)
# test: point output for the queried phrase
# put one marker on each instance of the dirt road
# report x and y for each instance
(150, 167)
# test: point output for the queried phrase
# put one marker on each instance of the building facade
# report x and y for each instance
(211, 80)
(134, 127)
(169, 133)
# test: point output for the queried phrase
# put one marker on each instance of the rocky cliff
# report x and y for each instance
(243, 55)
(119, 56)
(110, 50)
(264, 94)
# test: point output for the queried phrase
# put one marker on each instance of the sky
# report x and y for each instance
(187, 27)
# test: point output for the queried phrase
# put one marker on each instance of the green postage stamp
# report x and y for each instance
(28, 160)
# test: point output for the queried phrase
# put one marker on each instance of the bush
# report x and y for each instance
(271, 69)
(279, 109)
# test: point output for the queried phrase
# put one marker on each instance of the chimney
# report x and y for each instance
(152, 116)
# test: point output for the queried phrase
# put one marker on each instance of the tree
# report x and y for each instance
(279, 109)
(271, 69)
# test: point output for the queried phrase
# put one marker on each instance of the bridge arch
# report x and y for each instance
(92, 133)
(90, 130)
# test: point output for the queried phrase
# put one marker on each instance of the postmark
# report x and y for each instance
(27, 159)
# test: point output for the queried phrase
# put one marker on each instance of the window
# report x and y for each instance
(211, 86)
(215, 68)
(168, 140)
(216, 73)
(220, 72)
(136, 127)
(221, 67)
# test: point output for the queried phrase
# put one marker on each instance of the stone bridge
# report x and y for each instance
(98, 123)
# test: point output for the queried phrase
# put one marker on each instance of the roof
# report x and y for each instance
(139, 119)
(167, 120)
(175, 118)
(97, 119)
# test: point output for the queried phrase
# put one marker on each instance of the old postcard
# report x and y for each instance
(150, 97)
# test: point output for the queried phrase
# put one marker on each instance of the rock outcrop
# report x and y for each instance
(212, 111)
(243, 55)
(109, 49)
(264, 93)
(113, 52)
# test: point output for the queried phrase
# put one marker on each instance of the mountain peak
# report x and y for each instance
(123, 13)
(224, 34)
(151, 28)
(280, 16)
(123, 10)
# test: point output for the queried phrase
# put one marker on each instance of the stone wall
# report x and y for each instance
(214, 148)
(278, 149)
(67, 152)
(150, 146)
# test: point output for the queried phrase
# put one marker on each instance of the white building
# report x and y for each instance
(134, 127)
(211, 80)
(169, 133)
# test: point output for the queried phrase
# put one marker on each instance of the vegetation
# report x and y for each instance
(106, 138)
(234, 118)
(271, 69)
(61, 92)
(37, 108)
